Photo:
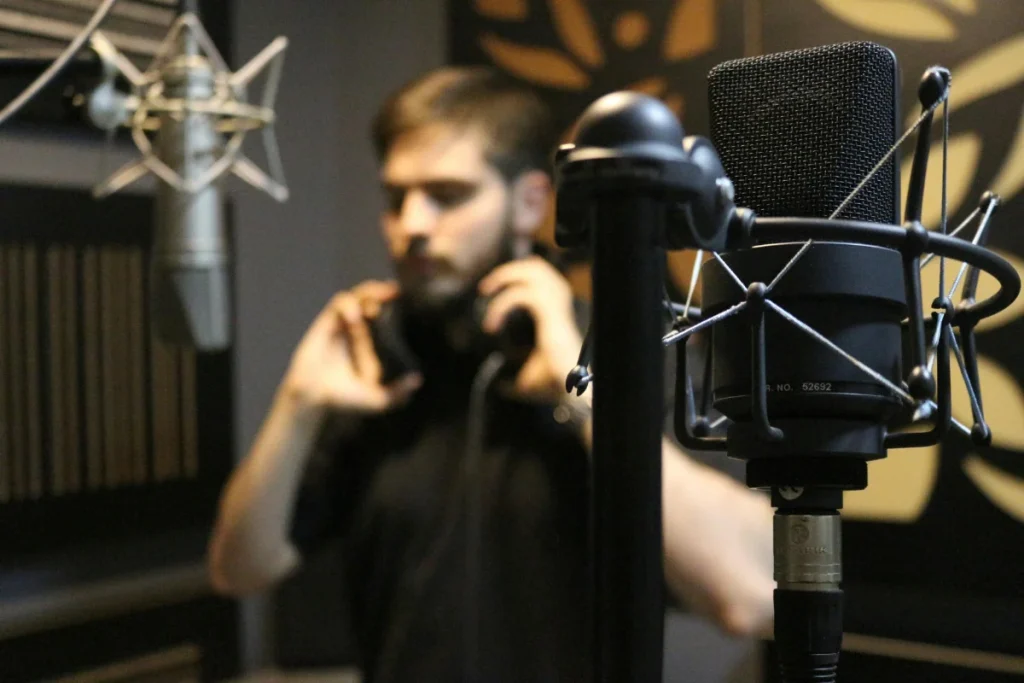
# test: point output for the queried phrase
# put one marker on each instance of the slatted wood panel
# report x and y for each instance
(106, 431)
(120, 404)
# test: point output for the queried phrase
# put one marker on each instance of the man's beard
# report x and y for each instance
(446, 293)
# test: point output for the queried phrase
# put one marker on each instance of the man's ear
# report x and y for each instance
(532, 194)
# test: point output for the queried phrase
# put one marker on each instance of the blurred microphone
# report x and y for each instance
(199, 115)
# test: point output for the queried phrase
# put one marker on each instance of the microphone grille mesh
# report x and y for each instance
(798, 130)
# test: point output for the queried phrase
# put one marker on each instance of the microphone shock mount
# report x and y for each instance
(188, 77)
(819, 358)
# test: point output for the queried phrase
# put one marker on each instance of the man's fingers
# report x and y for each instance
(376, 289)
(350, 303)
(504, 303)
(330, 321)
(511, 273)
(373, 294)
(404, 387)
(396, 393)
(353, 308)
(371, 308)
(363, 352)
(346, 306)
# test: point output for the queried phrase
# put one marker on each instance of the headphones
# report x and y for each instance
(514, 341)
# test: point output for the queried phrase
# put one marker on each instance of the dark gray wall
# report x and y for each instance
(344, 57)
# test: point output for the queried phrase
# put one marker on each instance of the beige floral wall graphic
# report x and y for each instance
(997, 68)
(569, 66)
(917, 19)
(901, 486)
(587, 42)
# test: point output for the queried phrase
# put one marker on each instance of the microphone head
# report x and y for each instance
(797, 131)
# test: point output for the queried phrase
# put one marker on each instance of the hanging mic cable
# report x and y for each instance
(813, 308)
(58, 64)
(199, 114)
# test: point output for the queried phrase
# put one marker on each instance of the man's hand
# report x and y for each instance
(536, 286)
(718, 545)
(335, 366)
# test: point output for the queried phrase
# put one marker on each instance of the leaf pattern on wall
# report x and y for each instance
(1004, 490)
(899, 487)
(539, 65)
(576, 29)
(914, 19)
(964, 152)
(987, 286)
(996, 69)
(692, 30)
(963, 6)
(502, 10)
(1002, 400)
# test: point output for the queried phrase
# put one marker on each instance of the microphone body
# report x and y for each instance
(200, 114)
(191, 285)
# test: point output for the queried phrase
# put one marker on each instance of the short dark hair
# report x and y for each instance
(517, 123)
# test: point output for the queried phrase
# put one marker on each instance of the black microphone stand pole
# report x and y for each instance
(627, 525)
(622, 187)
(620, 216)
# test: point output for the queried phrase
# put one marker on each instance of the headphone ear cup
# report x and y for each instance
(516, 337)
(387, 331)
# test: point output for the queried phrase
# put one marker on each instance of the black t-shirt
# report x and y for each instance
(460, 566)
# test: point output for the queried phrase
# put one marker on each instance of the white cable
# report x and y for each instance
(59, 63)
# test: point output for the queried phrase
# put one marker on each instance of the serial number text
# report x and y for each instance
(803, 386)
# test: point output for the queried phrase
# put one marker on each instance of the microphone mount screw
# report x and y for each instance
(981, 434)
(757, 293)
(921, 383)
(917, 240)
(988, 200)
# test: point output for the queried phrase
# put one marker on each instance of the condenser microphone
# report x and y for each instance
(190, 276)
(797, 132)
(820, 359)
(198, 113)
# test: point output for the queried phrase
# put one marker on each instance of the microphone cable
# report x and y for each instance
(59, 63)
(473, 469)
(469, 475)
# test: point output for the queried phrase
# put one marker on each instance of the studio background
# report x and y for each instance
(932, 548)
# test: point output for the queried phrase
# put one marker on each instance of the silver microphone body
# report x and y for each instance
(200, 113)
(191, 300)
